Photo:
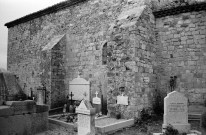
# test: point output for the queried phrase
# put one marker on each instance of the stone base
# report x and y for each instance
(182, 128)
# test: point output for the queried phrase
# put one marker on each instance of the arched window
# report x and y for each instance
(104, 54)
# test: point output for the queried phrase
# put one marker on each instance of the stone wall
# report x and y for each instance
(23, 118)
(168, 4)
(131, 59)
(181, 43)
(87, 27)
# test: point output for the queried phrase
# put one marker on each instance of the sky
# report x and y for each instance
(13, 9)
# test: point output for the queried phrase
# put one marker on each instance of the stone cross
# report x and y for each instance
(71, 95)
(96, 93)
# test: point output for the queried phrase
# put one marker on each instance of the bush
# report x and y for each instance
(145, 116)
(20, 96)
(170, 130)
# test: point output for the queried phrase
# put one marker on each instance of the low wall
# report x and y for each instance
(23, 118)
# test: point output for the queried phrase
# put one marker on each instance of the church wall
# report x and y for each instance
(58, 73)
(181, 43)
(132, 61)
(88, 27)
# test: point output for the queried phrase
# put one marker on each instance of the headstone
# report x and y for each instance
(176, 112)
(86, 118)
(97, 103)
(40, 96)
(122, 100)
(78, 86)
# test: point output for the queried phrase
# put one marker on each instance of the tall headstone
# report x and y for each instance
(86, 118)
(78, 86)
(176, 112)
(40, 96)
(97, 103)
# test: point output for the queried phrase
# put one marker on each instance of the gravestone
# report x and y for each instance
(97, 103)
(40, 96)
(176, 112)
(122, 100)
(86, 118)
(78, 86)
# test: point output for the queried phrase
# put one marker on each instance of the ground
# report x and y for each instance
(141, 129)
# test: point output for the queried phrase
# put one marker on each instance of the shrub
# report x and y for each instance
(145, 116)
(20, 96)
(170, 130)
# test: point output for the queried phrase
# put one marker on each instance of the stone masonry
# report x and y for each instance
(182, 40)
(132, 44)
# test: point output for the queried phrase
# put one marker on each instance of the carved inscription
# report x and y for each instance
(177, 107)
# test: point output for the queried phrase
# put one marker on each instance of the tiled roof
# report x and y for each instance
(46, 11)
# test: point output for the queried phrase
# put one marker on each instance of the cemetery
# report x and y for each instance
(97, 67)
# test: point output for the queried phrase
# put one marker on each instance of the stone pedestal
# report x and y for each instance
(86, 118)
(176, 112)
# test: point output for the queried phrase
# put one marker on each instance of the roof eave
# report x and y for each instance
(43, 12)
(180, 9)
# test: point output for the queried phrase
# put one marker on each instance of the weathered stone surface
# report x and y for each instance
(6, 111)
(112, 43)
(42, 108)
(22, 117)
(22, 107)
(188, 58)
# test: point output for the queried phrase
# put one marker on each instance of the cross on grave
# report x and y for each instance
(71, 95)
(96, 93)
(70, 106)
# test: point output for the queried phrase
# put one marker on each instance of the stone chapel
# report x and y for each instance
(133, 47)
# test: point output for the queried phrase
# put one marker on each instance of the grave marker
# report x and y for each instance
(78, 86)
(97, 103)
(86, 118)
(122, 100)
(176, 112)
(40, 96)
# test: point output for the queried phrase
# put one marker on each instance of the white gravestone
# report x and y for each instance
(86, 118)
(176, 112)
(97, 103)
(78, 86)
(122, 100)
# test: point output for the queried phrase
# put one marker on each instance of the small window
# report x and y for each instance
(104, 54)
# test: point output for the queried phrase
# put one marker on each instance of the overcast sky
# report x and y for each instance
(14, 9)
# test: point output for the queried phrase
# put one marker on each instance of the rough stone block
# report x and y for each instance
(42, 108)
(6, 111)
(22, 107)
